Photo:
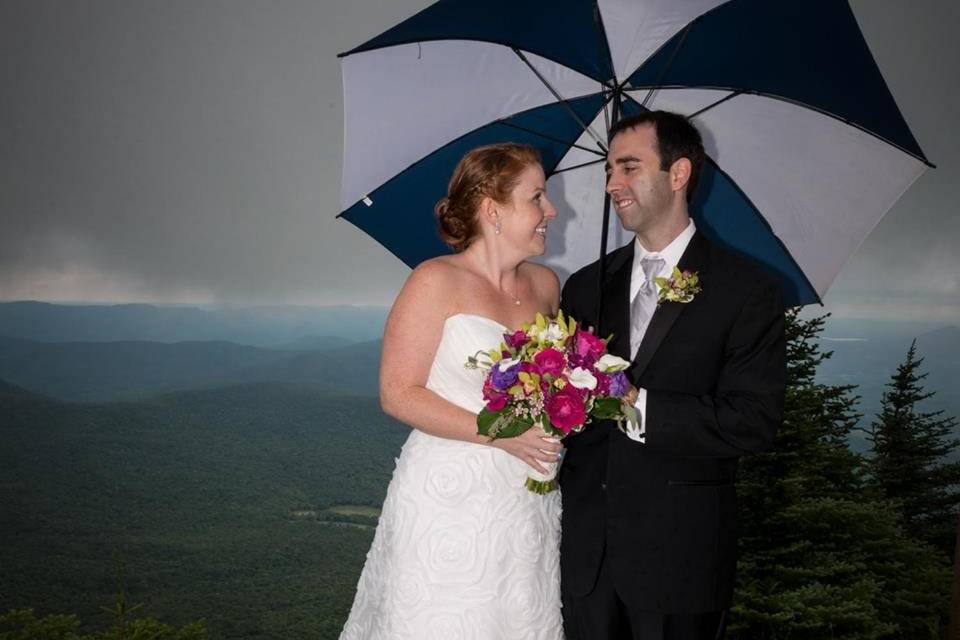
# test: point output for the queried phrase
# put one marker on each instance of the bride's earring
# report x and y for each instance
(496, 227)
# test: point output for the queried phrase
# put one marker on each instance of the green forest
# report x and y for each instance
(217, 502)
(246, 511)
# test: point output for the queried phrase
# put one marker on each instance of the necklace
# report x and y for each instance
(516, 291)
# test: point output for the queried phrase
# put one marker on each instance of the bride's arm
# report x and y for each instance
(410, 342)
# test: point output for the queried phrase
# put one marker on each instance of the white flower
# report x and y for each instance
(551, 334)
(582, 379)
(609, 363)
(505, 364)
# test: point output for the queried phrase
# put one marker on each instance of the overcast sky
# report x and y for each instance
(189, 151)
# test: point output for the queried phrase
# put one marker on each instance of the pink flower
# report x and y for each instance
(603, 383)
(495, 399)
(565, 409)
(529, 367)
(588, 346)
(550, 361)
(516, 339)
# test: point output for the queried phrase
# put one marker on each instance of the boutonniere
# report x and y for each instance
(680, 287)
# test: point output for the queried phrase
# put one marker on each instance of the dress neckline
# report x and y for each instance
(475, 315)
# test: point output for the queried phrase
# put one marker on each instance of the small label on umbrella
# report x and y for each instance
(367, 201)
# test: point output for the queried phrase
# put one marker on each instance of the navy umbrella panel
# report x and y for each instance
(807, 148)
(835, 73)
(412, 236)
(565, 31)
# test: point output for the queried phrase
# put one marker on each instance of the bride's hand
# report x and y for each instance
(532, 447)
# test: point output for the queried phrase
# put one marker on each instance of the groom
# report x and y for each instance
(648, 548)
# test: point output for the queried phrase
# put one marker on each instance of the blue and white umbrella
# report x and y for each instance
(807, 148)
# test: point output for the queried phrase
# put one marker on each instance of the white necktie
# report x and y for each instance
(645, 302)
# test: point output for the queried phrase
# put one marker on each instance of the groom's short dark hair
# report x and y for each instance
(676, 138)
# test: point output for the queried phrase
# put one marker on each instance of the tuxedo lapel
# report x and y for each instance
(694, 258)
(615, 317)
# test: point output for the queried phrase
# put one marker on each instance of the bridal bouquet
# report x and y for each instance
(552, 375)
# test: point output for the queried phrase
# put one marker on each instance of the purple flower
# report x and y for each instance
(618, 384)
(504, 378)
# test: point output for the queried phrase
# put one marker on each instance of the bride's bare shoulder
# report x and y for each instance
(436, 279)
(440, 269)
(544, 279)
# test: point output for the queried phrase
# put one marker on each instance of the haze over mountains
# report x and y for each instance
(866, 354)
(128, 370)
(235, 458)
(276, 326)
(97, 353)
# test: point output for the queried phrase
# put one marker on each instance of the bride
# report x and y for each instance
(462, 549)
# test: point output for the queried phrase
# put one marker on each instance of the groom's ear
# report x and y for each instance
(680, 173)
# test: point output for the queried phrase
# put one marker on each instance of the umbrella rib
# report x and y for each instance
(603, 45)
(666, 67)
(551, 138)
(561, 100)
(797, 103)
(578, 166)
(711, 106)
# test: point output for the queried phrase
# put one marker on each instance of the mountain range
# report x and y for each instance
(275, 326)
(98, 371)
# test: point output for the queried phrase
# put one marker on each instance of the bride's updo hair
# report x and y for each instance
(491, 171)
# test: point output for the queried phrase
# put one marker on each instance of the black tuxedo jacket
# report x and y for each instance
(664, 512)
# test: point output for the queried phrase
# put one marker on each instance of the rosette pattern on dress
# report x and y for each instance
(462, 549)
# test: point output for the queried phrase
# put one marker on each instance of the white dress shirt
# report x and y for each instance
(671, 255)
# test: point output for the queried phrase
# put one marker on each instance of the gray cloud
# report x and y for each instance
(190, 151)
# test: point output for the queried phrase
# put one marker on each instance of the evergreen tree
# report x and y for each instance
(820, 556)
(911, 449)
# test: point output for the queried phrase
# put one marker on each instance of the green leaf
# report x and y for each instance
(607, 408)
(486, 419)
(513, 427)
(501, 424)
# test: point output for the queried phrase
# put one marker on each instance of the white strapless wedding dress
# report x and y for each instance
(462, 549)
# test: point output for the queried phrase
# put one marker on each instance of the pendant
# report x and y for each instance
(516, 302)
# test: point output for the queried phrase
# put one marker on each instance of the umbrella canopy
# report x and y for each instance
(806, 147)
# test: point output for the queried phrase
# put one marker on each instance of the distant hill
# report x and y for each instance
(203, 494)
(867, 355)
(98, 371)
(314, 343)
(12, 396)
(350, 369)
(258, 326)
